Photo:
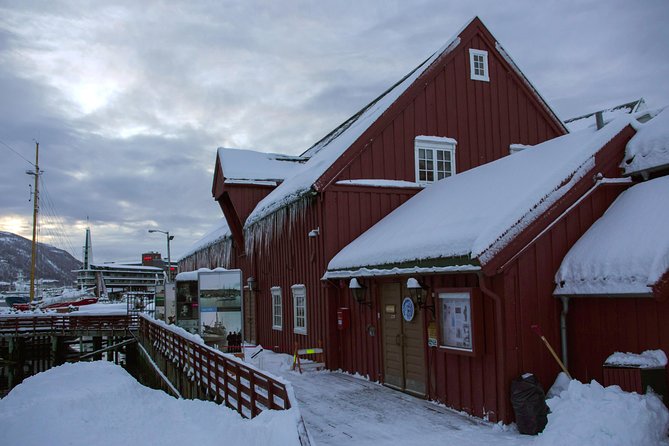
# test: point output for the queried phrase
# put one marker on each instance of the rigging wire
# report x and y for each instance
(57, 228)
(16, 153)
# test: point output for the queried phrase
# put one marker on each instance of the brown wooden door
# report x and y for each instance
(403, 343)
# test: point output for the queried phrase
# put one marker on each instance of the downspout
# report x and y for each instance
(499, 345)
(563, 329)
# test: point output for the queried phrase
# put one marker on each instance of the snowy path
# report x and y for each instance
(341, 409)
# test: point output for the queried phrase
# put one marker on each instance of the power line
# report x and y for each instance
(16, 152)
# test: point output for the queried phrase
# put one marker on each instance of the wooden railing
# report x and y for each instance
(13, 325)
(219, 377)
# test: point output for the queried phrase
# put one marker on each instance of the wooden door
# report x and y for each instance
(403, 343)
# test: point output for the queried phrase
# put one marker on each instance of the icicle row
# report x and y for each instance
(212, 256)
(260, 234)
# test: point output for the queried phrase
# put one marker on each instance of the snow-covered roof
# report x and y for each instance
(589, 120)
(326, 151)
(649, 149)
(626, 251)
(218, 233)
(470, 216)
(192, 276)
(250, 165)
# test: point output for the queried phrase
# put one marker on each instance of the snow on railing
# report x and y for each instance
(15, 324)
(220, 377)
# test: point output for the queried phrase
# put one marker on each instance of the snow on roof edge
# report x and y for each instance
(216, 235)
(380, 272)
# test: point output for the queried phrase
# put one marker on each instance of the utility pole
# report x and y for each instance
(33, 259)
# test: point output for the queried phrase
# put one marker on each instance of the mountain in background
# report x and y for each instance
(52, 263)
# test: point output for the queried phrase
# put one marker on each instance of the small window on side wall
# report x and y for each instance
(478, 64)
(460, 320)
(435, 158)
(277, 309)
(299, 309)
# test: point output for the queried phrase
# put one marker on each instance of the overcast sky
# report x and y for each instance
(129, 100)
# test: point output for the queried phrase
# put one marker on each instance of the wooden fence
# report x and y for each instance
(65, 324)
(217, 377)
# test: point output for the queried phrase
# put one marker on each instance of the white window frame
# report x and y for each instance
(299, 293)
(277, 308)
(435, 145)
(473, 65)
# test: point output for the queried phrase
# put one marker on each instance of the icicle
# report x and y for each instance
(260, 234)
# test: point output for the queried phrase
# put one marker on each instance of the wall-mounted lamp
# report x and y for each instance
(417, 293)
(251, 282)
(314, 232)
(358, 291)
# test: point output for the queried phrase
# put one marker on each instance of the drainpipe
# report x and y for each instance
(563, 329)
(499, 345)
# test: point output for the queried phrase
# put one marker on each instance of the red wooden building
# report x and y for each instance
(465, 106)
(480, 271)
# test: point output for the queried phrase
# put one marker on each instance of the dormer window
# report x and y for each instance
(435, 158)
(478, 63)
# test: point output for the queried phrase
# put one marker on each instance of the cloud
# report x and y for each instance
(130, 99)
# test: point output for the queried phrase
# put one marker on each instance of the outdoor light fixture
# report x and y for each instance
(251, 282)
(358, 291)
(417, 292)
(314, 232)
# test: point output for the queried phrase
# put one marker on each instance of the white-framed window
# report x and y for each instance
(299, 309)
(435, 158)
(277, 308)
(478, 64)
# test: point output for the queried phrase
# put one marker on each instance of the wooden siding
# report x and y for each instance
(600, 327)
(292, 257)
(351, 210)
(245, 197)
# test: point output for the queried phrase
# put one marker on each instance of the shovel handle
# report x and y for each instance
(537, 329)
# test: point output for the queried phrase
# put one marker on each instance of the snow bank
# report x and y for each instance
(626, 251)
(646, 360)
(589, 414)
(459, 216)
(100, 404)
(649, 148)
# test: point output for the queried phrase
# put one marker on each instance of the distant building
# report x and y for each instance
(115, 278)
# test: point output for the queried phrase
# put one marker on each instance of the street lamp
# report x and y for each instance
(169, 257)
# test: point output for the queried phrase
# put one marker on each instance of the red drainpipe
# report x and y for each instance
(499, 346)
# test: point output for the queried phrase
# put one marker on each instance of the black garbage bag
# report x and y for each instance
(529, 404)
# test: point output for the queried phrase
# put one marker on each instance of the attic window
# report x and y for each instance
(435, 158)
(478, 63)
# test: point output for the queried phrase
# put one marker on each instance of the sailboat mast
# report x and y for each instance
(33, 259)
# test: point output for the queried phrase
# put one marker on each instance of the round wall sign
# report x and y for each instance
(408, 309)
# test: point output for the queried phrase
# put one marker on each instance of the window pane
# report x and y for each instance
(430, 176)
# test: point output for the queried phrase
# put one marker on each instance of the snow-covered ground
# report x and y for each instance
(100, 404)
(343, 409)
